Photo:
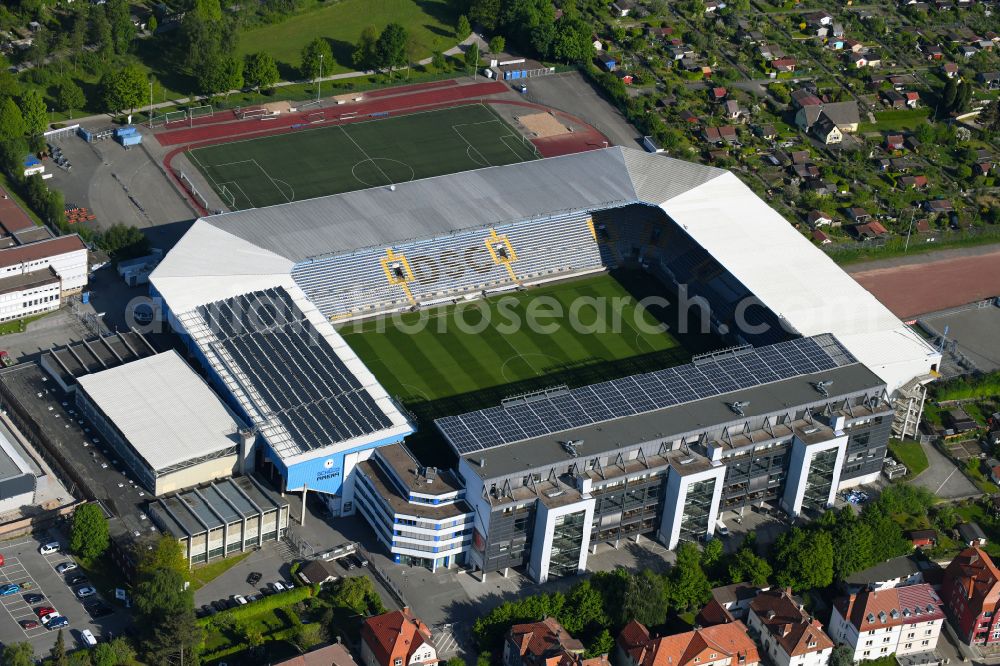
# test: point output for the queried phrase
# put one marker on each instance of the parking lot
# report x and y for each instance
(37, 577)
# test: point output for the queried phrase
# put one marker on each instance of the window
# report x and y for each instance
(928, 632)
(866, 653)
(868, 642)
(924, 642)
(908, 646)
(884, 650)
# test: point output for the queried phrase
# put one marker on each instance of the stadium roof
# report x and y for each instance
(235, 253)
(164, 409)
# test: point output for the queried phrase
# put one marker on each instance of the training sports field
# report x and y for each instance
(313, 162)
(429, 364)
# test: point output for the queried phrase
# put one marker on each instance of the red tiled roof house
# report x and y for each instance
(788, 634)
(878, 623)
(396, 639)
(971, 593)
(720, 645)
(545, 643)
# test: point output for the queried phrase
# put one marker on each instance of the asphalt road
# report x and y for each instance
(942, 477)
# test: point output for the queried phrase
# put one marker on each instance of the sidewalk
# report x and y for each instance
(455, 50)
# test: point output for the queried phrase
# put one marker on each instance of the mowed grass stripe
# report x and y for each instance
(377, 351)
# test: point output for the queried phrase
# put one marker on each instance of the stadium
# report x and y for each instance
(802, 352)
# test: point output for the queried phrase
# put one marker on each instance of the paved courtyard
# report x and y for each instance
(942, 477)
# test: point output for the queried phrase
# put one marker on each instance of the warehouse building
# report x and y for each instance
(66, 364)
(37, 277)
(220, 518)
(17, 479)
(168, 426)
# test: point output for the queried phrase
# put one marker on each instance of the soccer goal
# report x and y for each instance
(316, 117)
(254, 112)
(174, 117)
(203, 111)
(228, 197)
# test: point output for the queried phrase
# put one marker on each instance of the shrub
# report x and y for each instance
(279, 600)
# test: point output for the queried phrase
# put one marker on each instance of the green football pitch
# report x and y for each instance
(423, 357)
(309, 163)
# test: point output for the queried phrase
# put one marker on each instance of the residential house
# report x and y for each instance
(788, 634)
(893, 99)
(717, 94)
(804, 97)
(971, 593)
(827, 131)
(938, 206)
(869, 231)
(733, 110)
(894, 142)
(719, 645)
(981, 168)
(800, 156)
(317, 572)
(820, 237)
(729, 603)
(913, 182)
(770, 51)
(922, 538)
(818, 18)
(842, 114)
(622, 8)
(858, 215)
(785, 64)
(857, 60)
(971, 534)
(766, 132)
(545, 643)
(717, 135)
(896, 572)
(853, 45)
(878, 623)
(805, 171)
(989, 80)
(933, 52)
(968, 51)
(397, 638)
(817, 218)
(328, 655)
(949, 69)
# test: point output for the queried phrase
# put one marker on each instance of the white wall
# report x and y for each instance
(676, 496)
(545, 524)
(798, 470)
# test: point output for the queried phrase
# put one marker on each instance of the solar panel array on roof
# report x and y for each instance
(557, 411)
(267, 342)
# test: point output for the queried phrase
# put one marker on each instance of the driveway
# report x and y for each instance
(942, 477)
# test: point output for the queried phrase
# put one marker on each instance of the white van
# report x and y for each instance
(87, 638)
(49, 548)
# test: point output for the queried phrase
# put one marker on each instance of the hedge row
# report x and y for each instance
(254, 608)
(235, 648)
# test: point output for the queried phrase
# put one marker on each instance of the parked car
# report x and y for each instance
(87, 638)
(78, 579)
(362, 562)
(9, 588)
(1, 560)
(277, 587)
(85, 592)
(48, 616)
(29, 624)
(65, 566)
(254, 578)
(240, 599)
(219, 605)
(98, 609)
(33, 598)
(42, 611)
(207, 610)
(58, 622)
(49, 548)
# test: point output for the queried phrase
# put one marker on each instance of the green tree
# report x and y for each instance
(438, 61)
(152, 24)
(260, 70)
(115, 652)
(497, 44)
(855, 546)
(221, 74)
(123, 89)
(122, 241)
(364, 56)
(357, 594)
(462, 28)
(712, 553)
(390, 49)
(312, 53)
(804, 559)
(9, 85)
(88, 536)
(18, 654)
(603, 643)
(100, 32)
(584, 606)
(747, 567)
(647, 598)
(689, 586)
(841, 656)
(58, 651)
(472, 57)
(455, 661)
(12, 125)
(485, 14)
(122, 29)
(35, 113)
(208, 10)
(949, 94)
(962, 97)
(69, 96)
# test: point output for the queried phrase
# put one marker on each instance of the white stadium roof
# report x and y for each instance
(239, 252)
(164, 409)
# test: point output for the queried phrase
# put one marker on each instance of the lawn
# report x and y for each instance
(339, 158)
(429, 23)
(453, 350)
(18, 325)
(887, 121)
(910, 454)
(201, 576)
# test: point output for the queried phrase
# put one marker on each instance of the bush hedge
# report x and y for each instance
(254, 608)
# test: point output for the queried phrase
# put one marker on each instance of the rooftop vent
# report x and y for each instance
(739, 406)
(823, 386)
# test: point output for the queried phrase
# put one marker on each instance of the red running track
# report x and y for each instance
(432, 98)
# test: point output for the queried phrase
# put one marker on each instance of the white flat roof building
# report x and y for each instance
(171, 429)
